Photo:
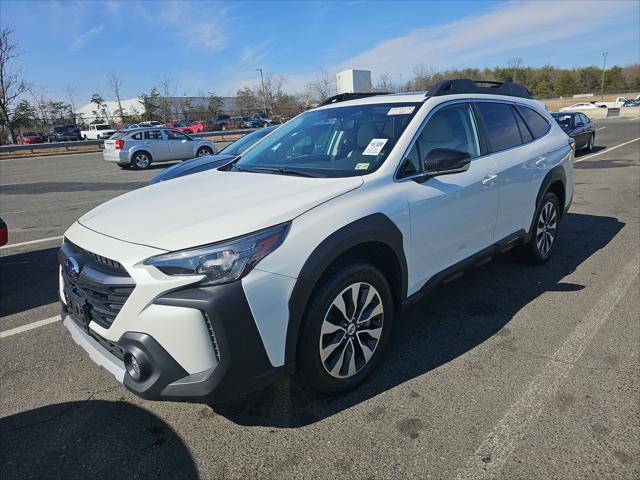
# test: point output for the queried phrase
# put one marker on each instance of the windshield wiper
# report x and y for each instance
(284, 171)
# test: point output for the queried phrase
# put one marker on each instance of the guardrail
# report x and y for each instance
(45, 146)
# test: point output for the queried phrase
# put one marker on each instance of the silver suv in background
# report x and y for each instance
(139, 148)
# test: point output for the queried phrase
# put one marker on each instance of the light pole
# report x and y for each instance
(604, 62)
(264, 93)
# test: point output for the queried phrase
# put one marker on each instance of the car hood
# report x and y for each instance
(194, 165)
(209, 207)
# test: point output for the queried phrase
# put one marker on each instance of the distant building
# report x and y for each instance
(132, 106)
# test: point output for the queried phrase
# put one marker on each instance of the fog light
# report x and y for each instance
(133, 367)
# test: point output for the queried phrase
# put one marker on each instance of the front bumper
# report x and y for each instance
(242, 362)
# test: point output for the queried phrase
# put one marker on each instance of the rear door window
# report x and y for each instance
(500, 124)
(153, 135)
(524, 130)
(536, 122)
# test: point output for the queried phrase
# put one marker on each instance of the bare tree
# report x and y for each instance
(166, 90)
(320, 88)
(384, 83)
(71, 92)
(115, 84)
(41, 101)
(514, 63)
(11, 83)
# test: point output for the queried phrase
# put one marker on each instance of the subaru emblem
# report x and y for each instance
(72, 267)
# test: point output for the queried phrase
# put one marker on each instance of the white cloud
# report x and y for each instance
(83, 38)
(506, 29)
(470, 41)
(201, 25)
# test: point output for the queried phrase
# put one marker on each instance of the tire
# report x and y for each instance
(544, 233)
(85, 137)
(141, 160)
(329, 339)
(202, 151)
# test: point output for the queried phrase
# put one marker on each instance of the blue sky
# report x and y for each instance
(216, 46)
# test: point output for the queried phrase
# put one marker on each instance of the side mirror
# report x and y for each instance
(443, 161)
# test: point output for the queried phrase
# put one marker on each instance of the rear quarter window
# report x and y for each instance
(536, 122)
(500, 124)
(137, 136)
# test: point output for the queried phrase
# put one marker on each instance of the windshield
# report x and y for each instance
(565, 121)
(29, 134)
(333, 142)
(239, 146)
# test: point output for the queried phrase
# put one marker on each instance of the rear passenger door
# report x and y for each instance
(511, 132)
(156, 144)
(452, 216)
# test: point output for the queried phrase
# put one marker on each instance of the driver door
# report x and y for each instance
(453, 216)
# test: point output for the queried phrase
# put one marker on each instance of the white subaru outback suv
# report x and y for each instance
(296, 256)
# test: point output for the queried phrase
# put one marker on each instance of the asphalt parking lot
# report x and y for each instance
(509, 372)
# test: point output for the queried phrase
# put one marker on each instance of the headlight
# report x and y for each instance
(222, 262)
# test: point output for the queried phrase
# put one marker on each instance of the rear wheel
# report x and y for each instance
(203, 151)
(346, 329)
(544, 232)
(141, 160)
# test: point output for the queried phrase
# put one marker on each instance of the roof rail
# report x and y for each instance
(465, 85)
(343, 97)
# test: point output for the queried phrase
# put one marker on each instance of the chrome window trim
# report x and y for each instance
(469, 101)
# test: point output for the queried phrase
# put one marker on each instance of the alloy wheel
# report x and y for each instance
(351, 330)
(141, 160)
(546, 230)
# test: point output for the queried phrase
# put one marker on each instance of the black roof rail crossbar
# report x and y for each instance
(489, 87)
(343, 97)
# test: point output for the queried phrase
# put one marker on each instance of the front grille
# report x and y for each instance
(101, 288)
(112, 347)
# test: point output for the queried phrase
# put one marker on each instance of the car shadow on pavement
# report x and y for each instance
(91, 439)
(28, 280)
(583, 152)
(450, 321)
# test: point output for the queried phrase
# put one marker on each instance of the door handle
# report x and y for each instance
(489, 178)
(541, 160)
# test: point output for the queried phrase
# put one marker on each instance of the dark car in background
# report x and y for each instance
(221, 122)
(62, 133)
(209, 162)
(579, 127)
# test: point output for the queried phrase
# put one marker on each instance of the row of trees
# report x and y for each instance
(543, 82)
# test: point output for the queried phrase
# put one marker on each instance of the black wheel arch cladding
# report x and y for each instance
(376, 228)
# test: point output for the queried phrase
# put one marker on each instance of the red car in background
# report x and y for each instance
(27, 138)
(4, 233)
(192, 126)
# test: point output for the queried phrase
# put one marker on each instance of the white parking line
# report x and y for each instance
(29, 326)
(490, 457)
(606, 150)
(601, 128)
(31, 242)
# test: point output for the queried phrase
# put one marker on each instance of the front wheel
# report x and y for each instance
(203, 151)
(544, 232)
(345, 329)
(141, 160)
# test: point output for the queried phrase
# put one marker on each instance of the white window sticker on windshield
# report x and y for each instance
(375, 146)
(401, 111)
(362, 166)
